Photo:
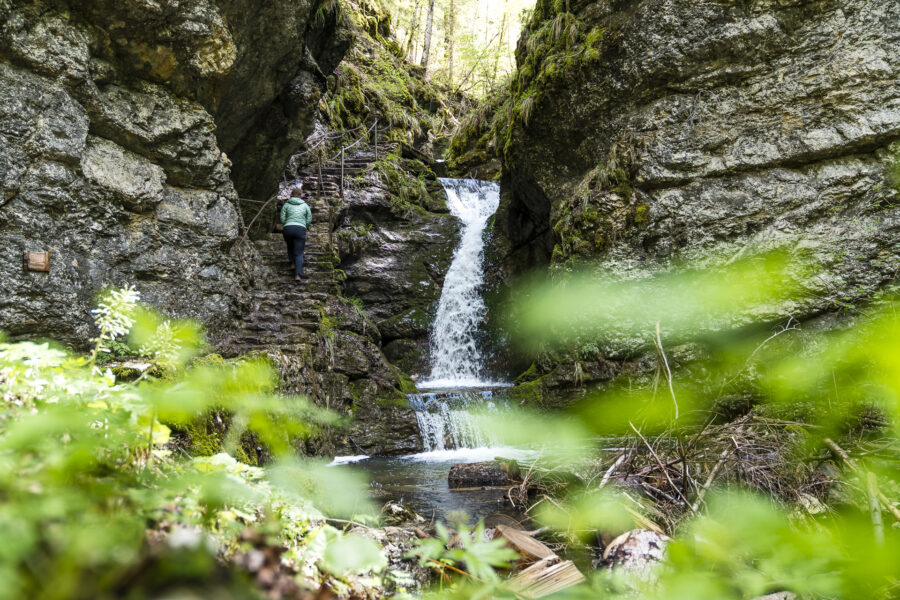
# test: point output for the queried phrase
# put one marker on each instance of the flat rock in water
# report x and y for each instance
(483, 474)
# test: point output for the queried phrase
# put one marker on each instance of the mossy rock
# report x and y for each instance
(529, 394)
(529, 375)
(132, 370)
(407, 356)
(412, 323)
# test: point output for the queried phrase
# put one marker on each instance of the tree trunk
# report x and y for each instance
(426, 49)
(410, 47)
(449, 33)
(500, 44)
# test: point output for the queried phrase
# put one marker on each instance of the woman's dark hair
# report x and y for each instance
(297, 191)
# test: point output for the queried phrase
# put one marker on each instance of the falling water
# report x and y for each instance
(450, 420)
(456, 359)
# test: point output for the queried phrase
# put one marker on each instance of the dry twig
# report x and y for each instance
(660, 463)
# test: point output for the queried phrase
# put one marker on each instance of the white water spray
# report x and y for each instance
(451, 420)
(455, 357)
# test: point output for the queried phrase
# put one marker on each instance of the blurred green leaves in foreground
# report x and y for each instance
(732, 412)
(737, 417)
(88, 463)
(687, 302)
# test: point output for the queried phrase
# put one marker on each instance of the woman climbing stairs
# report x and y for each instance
(285, 314)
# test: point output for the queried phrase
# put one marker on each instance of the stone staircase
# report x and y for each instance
(324, 347)
(285, 314)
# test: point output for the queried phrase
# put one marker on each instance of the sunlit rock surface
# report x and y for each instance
(125, 128)
(690, 129)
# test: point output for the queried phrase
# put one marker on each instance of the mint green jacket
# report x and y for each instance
(296, 212)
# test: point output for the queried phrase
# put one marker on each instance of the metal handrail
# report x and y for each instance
(331, 136)
(253, 220)
(341, 154)
(358, 140)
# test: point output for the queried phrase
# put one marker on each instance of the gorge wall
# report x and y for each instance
(128, 131)
(138, 139)
(646, 132)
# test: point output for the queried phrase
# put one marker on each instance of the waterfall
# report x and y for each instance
(450, 420)
(456, 359)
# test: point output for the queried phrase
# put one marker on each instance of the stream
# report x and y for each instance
(449, 401)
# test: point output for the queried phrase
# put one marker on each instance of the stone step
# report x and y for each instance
(314, 241)
(297, 295)
(283, 311)
(279, 260)
(279, 329)
(273, 320)
(255, 342)
(312, 251)
(329, 180)
(291, 295)
(284, 315)
(330, 168)
(301, 306)
(318, 228)
(277, 263)
(278, 249)
(278, 266)
(286, 348)
(348, 171)
(314, 245)
(310, 285)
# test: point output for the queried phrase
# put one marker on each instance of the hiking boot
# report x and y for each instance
(296, 277)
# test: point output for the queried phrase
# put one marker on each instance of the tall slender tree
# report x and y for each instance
(500, 43)
(411, 40)
(449, 39)
(429, 23)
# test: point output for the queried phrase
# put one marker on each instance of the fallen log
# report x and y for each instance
(546, 577)
(530, 548)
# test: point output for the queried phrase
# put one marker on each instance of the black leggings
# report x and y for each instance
(295, 238)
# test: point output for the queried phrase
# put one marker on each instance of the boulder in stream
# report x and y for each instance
(636, 551)
(498, 472)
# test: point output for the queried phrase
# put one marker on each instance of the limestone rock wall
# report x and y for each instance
(395, 259)
(672, 129)
(121, 125)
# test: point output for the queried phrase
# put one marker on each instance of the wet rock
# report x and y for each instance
(395, 260)
(493, 473)
(400, 514)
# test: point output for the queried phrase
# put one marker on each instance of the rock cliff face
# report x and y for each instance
(393, 232)
(395, 257)
(645, 131)
(124, 128)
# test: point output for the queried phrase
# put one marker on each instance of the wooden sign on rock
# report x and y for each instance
(37, 261)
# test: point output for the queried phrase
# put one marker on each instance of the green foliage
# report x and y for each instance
(555, 45)
(684, 301)
(87, 466)
(352, 553)
(467, 548)
(408, 192)
(373, 82)
(842, 383)
(114, 317)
